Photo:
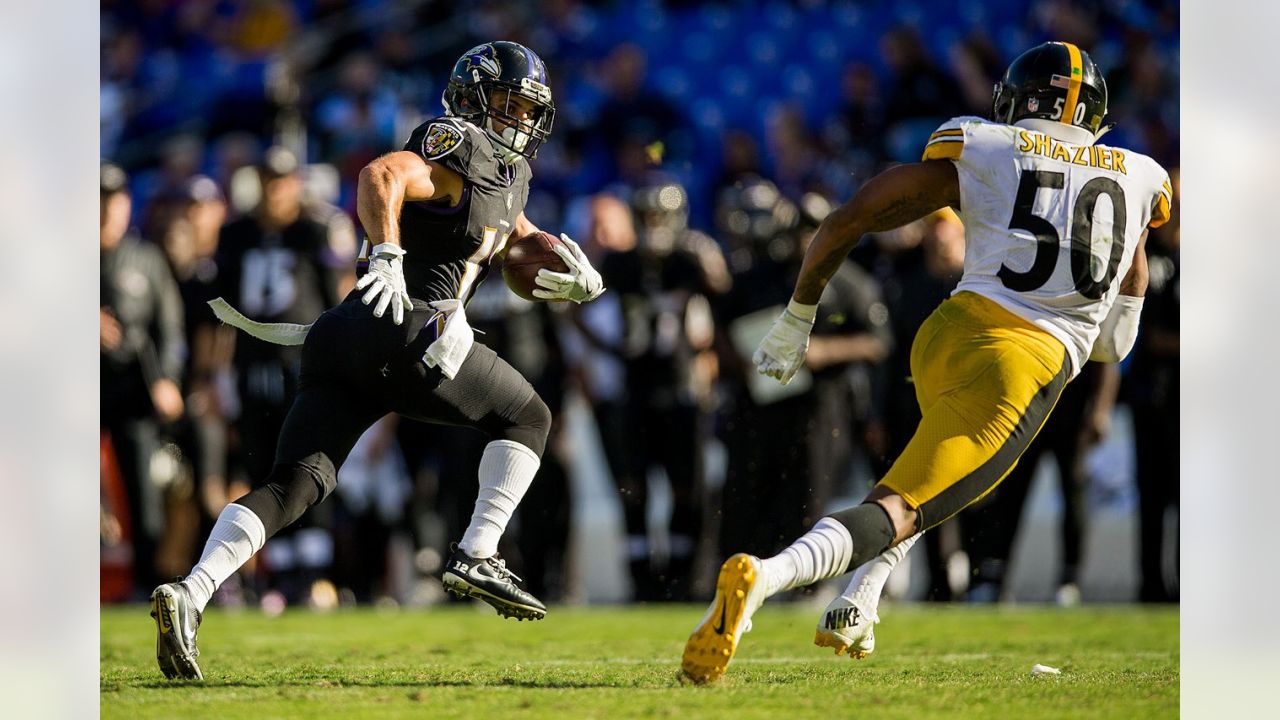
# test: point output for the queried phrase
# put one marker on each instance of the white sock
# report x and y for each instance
(236, 536)
(506, 471)
(868, 580)
(821, 553)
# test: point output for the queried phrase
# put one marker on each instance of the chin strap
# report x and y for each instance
(504, 143)
(1103, 131)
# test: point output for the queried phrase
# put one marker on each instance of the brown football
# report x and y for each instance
(525, 257)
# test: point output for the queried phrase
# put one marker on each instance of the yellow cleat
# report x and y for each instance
(739, 593)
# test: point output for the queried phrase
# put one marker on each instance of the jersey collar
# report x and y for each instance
(1058, 131)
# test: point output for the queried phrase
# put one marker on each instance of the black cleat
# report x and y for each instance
(176, 623)
(489, 580)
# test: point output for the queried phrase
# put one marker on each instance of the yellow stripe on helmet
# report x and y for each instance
(1073, 86)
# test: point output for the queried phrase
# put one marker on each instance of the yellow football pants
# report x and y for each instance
(986, 381)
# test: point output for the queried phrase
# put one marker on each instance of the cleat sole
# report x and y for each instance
(707, 653)
(830, 640)
(507, 609)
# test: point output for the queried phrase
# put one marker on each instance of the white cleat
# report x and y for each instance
(739, 593)
(176, 623)
(847, 626)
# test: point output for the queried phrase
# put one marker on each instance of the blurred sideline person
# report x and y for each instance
(142, 350)
(436, 214)
(1055, 271)
(1152, 389)
(788, 452)
(190, 240)
(274, 263)
(662, 284)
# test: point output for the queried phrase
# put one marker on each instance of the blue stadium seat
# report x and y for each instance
(763, 49)
(673, 82)
(707, 114)
(781, 16)
(703, 48)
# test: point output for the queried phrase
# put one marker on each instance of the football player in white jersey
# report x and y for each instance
(1054, 276)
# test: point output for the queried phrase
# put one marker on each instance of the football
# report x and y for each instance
(525, 257)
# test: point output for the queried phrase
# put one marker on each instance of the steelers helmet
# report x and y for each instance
(1053, 81)
(481, 71)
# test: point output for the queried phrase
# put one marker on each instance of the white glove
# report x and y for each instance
(781, 352)
(385, 281)
(581, 284)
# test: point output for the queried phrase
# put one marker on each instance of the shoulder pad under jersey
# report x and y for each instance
(947, 142)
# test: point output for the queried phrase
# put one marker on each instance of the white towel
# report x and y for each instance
(275, 333)
(450, 349)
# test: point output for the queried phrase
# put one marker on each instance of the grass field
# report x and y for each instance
(463, 661)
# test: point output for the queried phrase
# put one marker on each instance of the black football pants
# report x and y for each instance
(357, 368)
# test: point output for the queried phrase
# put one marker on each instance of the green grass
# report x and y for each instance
(462, 661)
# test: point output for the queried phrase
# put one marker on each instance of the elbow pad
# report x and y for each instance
(1118, 331)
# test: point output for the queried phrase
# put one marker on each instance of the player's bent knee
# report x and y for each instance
(290, 490)
(906, 519)
(530, 426)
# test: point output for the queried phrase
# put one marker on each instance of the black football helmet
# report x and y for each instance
(753, 214)
(1053, 81)
(516, 69)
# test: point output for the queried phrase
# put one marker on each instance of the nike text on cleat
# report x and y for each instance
(739, 593)
(176, 623)
(489, 580)
(847, 628)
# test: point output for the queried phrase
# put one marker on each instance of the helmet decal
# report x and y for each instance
(483, 59)
(1033, 104)
(1073, 84)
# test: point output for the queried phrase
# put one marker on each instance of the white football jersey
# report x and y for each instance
(1051, 227)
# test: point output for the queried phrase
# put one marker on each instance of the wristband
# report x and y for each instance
(387, 249)
(807, 313)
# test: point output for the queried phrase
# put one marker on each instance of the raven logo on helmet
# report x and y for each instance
(483, 59)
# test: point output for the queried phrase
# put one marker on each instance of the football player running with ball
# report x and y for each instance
(1054, 275)
(436, 215)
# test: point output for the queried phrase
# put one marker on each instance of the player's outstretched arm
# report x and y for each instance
(385, 184)
(893, 198)
(391, 180)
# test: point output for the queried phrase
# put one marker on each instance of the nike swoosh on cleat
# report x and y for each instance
(720, 628)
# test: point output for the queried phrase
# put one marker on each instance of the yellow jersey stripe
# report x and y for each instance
(1073, 86)
(1160, 213)
(948, 150)
(957, 132)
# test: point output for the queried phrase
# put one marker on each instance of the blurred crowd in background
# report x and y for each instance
(697, 147)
